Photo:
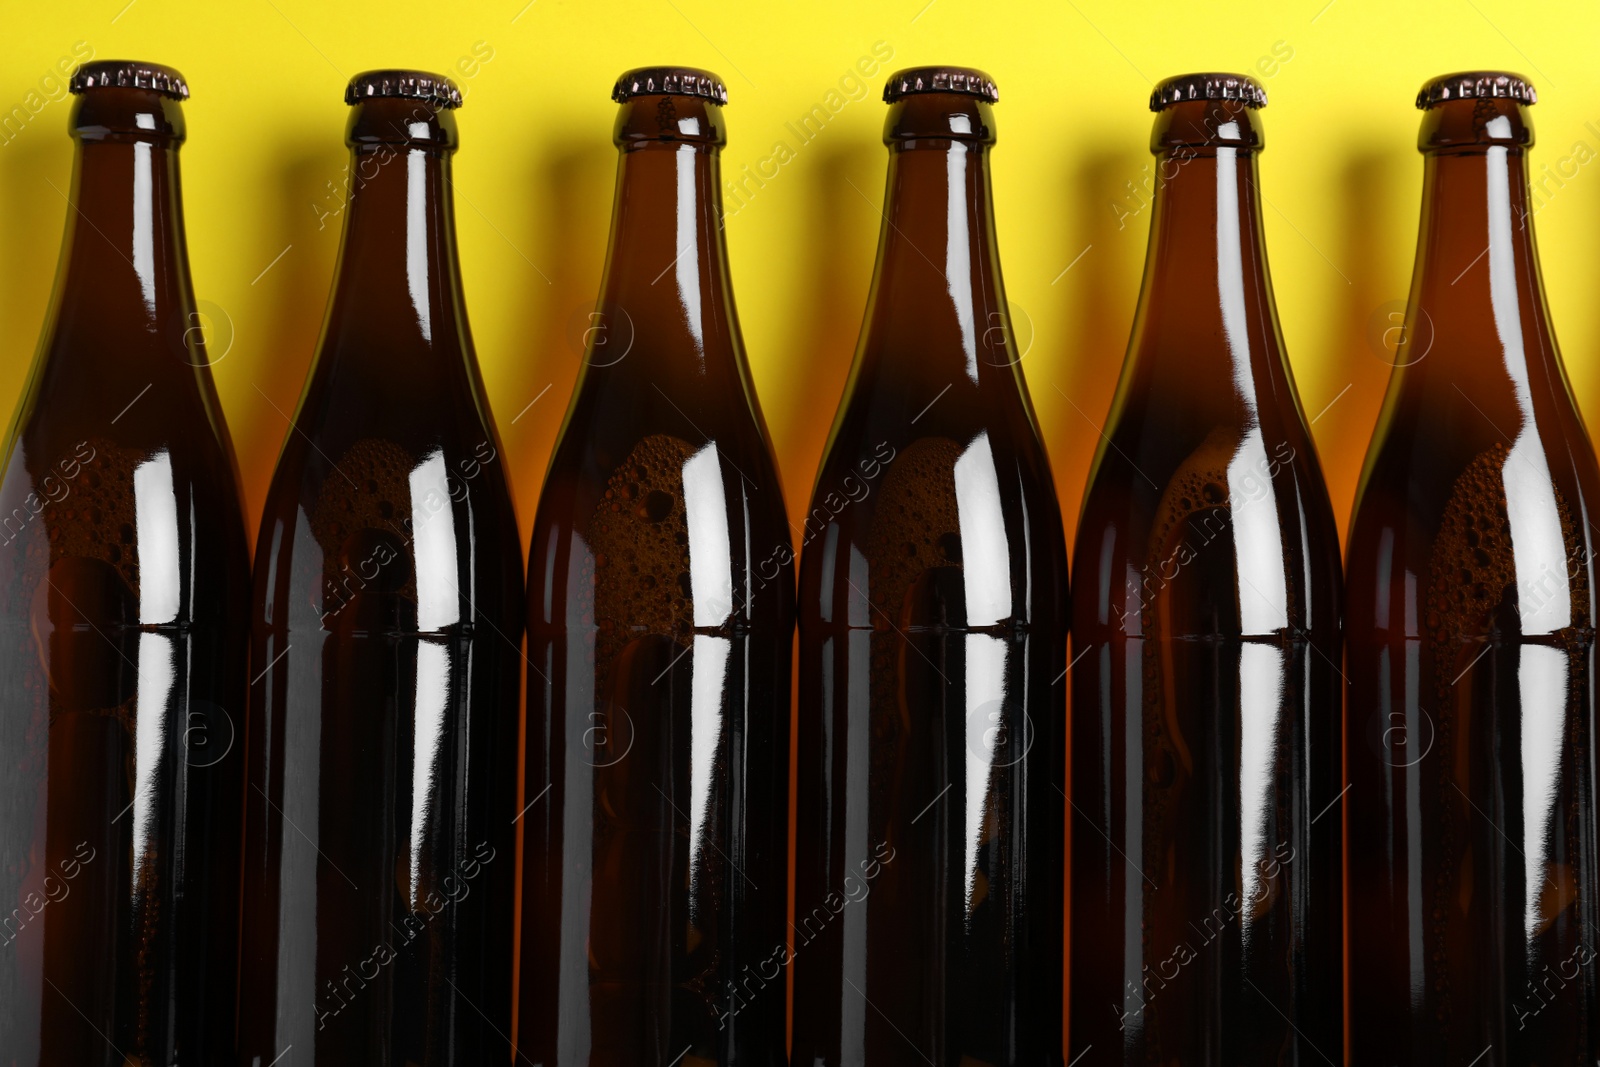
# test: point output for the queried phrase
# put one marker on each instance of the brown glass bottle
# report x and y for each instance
(124, 578)
(933, 627)
(1206, 907)
(661, 622)
(380, 867)
(1470, 717)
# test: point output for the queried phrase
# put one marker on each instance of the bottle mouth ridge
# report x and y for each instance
(939, 115)
(401, 123)
(1475, 112)
(651, 119)
(1207, 125)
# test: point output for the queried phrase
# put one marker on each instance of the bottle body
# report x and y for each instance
(660, 600)
(124, 571)
(1205, 901)
(933, 621)
(379, 847)
(1471, 697)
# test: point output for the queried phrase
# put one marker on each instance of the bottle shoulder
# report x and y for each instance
(132, 387)
(1484, 525)
(157, 529)
(620, 427)
(389, 534)
(1224, 529)
(396, 386)
(959, 528)
(660, 529)
(1436, 438)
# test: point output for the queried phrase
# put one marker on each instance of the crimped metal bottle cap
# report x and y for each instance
(1212, 86)
(436, 89)
(129, 74)
(1476, 84)
(670, 81)
(968, 80)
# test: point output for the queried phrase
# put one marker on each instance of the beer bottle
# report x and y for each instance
(1205, 921)
(379, 867)
(933, 626)
(124, 576)
(661, 625)
(1470, 719)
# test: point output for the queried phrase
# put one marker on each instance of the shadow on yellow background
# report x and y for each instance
(265, 161)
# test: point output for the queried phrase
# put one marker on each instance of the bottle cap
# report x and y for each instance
(670, 81)
(436, 89)
(968, 80)
(1473, 85)
(1213, 86)
(129, 74)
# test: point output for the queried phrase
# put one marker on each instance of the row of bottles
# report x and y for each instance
(292, 826)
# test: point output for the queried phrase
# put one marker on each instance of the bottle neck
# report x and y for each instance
(1206, 274)
(1477, 276)
(937, 278)
(666, 296)
(122, 312)
(126, 257)
(399, 280)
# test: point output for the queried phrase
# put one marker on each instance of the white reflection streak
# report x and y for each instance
(706, 513)
(986, 689)
(155, 505)
(710, 673)
(1542, 681)
(1263, 589)
(1260, 695)
(688, 262)
(300, 799)
(985, 550)
(857, 654)
(1537, 545)
(1263, 603)
(958, 252)
(144, 222)
(573, 1026)
(417, 237)
(433, 700)
(157, 672)
(433, 532)
(1416, 884)
(1230, 272)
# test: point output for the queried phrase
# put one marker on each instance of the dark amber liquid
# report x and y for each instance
(1206, 874)
(1470, 723)
(659, 850)
(380, 849)
(933, 619)
(123, 587)
(661, 607)
(1206, 883)
(925, 922)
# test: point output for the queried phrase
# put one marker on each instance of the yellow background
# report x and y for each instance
(265, 161)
